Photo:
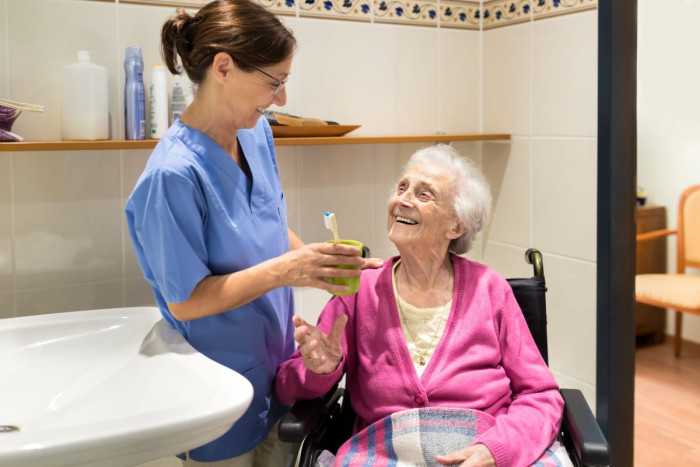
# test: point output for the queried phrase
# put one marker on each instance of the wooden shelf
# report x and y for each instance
(105, 145)
(309, 141)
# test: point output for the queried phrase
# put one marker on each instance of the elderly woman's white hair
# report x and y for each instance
(472, 198)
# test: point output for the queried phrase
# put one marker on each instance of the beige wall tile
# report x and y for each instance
(6, 268)
(92, 296)
(138, 292)
(564, 196)
(132, 164)
(289, 163)
(459, 81)
(405, 81)
(68, 218)
(507, 169)
(571, 317)
(508, 260)
(588, 389)
(336, 179)
(4, 38)
(334, 73)
(507, 80)
(39, 46)
(7, 307)
(293, 87)
(565, 75)
(311, 302)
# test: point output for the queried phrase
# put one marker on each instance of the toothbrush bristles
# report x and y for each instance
(331, 224)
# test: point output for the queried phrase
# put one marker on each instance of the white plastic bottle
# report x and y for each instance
(159, 101)
(85, 100)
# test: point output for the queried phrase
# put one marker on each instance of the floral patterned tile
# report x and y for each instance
(464, 14)
(420, 13)
(280, 7)
(548, 8)
(460, 14)
(359, 10)
(499, 13)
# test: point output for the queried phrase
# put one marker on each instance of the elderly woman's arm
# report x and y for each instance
(532, 421)
(317, 364)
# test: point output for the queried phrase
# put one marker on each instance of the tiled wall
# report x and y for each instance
(540, 85)
(63, 243)
(668, 140)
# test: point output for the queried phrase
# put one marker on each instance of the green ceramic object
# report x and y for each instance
(353, 283)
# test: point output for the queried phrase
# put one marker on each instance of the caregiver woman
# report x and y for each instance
(207, 218)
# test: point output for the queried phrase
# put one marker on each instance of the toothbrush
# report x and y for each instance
(331, 224)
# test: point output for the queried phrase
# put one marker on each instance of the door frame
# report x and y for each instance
(616, 229)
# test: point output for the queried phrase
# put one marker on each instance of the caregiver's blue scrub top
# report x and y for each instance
(194, 213)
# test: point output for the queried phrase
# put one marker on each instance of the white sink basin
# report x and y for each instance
(108, 387)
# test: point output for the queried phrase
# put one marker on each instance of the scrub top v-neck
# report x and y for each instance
(194, 213)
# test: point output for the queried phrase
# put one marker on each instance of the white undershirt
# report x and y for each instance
(425, 324)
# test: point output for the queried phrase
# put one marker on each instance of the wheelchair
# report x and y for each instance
(325, 423)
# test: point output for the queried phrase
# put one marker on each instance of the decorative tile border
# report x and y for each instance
(498, 13)
(548, 8)
(279, 7)
(506, 12)
(359, 10)
(460, 14)
(416, 12)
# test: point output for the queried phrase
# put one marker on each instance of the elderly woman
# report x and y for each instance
(431, 328)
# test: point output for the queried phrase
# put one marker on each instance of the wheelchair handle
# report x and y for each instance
(534, 257)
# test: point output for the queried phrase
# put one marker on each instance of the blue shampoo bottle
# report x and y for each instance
(134, 97)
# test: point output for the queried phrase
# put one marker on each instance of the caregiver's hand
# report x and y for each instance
(321, 354)
(477, 455)
(307, 266)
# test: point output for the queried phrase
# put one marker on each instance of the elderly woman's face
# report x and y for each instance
(421, 209)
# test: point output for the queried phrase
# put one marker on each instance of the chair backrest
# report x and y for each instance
(530, 295)
(689, 229)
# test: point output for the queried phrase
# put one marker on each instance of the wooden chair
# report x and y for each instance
(680, 291)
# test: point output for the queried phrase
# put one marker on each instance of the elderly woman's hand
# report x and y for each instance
(322, 354)
(372, 263)
(477, 455)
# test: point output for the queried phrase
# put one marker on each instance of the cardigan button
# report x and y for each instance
(419, 399)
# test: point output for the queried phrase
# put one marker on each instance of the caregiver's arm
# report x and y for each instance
(303, 267)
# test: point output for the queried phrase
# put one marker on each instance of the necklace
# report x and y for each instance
(421, 354)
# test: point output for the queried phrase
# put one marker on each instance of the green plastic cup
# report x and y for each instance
(353, 283)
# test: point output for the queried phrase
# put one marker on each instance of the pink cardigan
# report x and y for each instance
(485, 360)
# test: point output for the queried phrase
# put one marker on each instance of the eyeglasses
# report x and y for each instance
(279, 84)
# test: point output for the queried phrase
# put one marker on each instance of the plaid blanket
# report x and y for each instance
(414, 437)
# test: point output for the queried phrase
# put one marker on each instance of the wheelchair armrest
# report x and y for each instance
(589, 442)
(304, 415)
